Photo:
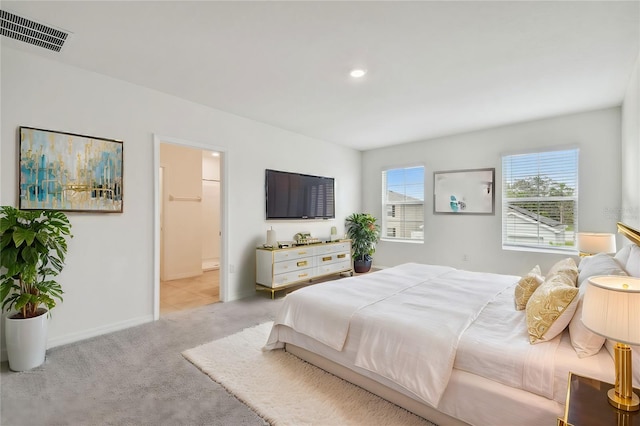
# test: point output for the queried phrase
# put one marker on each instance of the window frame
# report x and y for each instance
(393, 206)
(549, 247)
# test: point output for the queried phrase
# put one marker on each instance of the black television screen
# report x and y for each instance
(298, 196)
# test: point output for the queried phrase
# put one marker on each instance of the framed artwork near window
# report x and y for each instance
(464, 191)
(69, 172)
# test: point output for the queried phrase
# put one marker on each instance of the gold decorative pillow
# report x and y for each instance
(551, 308)
(526, 286)
(567, 267)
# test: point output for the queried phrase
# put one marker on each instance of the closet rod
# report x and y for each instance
(172, 198)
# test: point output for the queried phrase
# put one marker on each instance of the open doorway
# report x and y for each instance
(189, 231)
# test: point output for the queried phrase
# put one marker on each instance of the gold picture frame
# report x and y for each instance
(69, 172)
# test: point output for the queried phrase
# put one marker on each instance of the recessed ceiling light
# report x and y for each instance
(357, 73)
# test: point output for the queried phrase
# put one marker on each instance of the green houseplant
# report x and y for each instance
(364, 233)
(33, 248)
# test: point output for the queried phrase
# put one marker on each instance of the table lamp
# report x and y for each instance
(594, 242)
(611, 308)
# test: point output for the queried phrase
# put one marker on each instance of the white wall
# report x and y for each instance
(108, 278)
(449, 238)
(630, 211)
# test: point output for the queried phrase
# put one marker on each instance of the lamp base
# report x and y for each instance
(626, 404)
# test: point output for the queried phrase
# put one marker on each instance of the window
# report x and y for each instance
(403, 203)
(540, 200)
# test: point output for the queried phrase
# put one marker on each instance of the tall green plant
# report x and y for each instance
(364, 233)
(33, 247)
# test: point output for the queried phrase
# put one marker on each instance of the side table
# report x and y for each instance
(588, 405)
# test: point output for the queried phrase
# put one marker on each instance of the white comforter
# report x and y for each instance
(496, 346)
(411, 320)
(324, 311)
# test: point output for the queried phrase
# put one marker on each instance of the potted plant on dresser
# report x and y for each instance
(33, 247)
(364, 234)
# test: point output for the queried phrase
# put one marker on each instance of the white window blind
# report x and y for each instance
(403, 203)
(540, 200)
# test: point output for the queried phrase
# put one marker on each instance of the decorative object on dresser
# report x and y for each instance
(334, 234)
(590, 243)
(612, 309)
(277, 269)
(33, 247)
(305, 238)
(271, 238)
(364, 233)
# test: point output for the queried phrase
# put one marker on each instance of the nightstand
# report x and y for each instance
(587, 405)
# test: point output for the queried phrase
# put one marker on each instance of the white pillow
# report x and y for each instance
(585, 342)
(598, 264)
(633, 262)
(635, 360)
(623, 254)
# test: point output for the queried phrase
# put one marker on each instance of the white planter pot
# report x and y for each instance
(26, 341)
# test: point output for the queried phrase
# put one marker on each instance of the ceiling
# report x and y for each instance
(434, 68)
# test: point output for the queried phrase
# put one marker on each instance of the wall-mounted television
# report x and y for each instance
(298, 196)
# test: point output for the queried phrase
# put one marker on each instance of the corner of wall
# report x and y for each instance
(630, 152)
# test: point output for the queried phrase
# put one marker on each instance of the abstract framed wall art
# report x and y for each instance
(464, 191)
(69, 172)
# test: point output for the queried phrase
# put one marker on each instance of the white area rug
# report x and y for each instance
(285, 390)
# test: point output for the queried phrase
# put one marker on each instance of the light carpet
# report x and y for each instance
(284, 390)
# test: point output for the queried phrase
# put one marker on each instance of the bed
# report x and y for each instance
(449, 344)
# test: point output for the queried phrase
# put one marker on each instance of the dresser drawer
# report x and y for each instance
(292, 277)
(332, 268)
(329, 258)
(332, 248)
(292, 265)
(291, 254)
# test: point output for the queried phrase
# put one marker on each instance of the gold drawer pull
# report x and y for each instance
(302, 275)
(302, 263)
(342, 256)
(326, 258)
(302, 252)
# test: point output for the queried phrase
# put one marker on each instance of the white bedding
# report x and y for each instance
(327, 319)
(412, 336)
(496, 346)
(411, 318)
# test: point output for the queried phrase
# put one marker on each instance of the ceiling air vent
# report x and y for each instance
(32, 32)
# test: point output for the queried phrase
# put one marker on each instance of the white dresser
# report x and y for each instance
(279, 268)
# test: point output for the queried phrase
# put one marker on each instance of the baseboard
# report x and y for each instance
(98, 331)
(87, 334)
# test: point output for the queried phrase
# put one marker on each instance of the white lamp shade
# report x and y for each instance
(611, 308)
(592, 242)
